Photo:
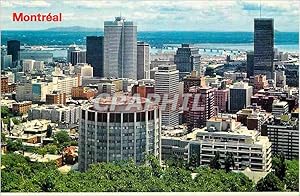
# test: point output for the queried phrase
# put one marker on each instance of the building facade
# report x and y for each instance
(239, 96)
(95, 54)
(167, 87)
(264, 47)
(120, 49)
(143, 60)
(118, 134)
(187, 59)
(200, 107)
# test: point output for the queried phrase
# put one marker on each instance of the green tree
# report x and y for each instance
(16, 121)
(279, 165)
(3, 138)
(270, 183)
(229, 161)
(292, 175)
(42, 151)
(14, 145)
(49, 131)
(215, 161)
(51, 149)
(62, 137)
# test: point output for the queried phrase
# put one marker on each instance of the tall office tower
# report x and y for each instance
(112, 132)
(200, 107)
(143, 61)
(221, 100)
(120, 49)
(71, 48)
(77, 57)
(167, 87)
(264, 47)
(13, 48)
(95, 54)
(239, 96)
(260, 82)
(250, 64)
(187, 59)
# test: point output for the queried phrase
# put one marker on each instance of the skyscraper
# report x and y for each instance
(13, 48)
(264, 47)
(143, 61)
(77, 56)
(167, 84)
(187, 59)
(95, 53)
(120, 49)
(250, 64)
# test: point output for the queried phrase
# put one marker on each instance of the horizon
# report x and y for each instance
(212, 16)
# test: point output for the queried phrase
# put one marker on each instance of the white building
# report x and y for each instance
(280, 108)
(85, 70)
(120, 49)
(222, 135)
(167, 87)
(64, 115)
(108, 88)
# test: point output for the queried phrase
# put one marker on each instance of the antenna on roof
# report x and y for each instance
(260, 9)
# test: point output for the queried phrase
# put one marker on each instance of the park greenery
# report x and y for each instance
(21, 175)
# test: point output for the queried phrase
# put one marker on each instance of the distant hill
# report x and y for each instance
(74, 28)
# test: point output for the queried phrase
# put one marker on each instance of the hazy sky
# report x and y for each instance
(197, 15)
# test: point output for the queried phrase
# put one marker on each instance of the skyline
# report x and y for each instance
(163, 15)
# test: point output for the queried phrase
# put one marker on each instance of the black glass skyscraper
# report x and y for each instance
(187, 59)
(250, 64)
(13, 48)
(95, 54)
(264, 47)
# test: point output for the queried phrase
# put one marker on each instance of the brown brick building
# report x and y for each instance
(21, 107)
(56, 98)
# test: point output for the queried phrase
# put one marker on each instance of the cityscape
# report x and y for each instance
(111, 108)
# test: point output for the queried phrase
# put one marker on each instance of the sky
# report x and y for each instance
(179, 15)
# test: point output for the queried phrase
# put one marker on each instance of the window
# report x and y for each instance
(91, 116)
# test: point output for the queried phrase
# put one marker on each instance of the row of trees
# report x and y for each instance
(21, 175)
(284, 177)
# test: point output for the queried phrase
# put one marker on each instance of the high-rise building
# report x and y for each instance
(221, 99)
(239, 96)
(264, 47)
(143, 61)
(120, 49)
(114, 133)
(167, 84)
(77, 56)
(250, 64)
(200, 107)
(13, 48)
(95, 53)
(71, 48)
(187, 59)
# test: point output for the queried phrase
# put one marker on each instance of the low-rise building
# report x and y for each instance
(21, 107)
(64, 115)
(222, 135)
(253, 119)
(280, 108)
(82, 92)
